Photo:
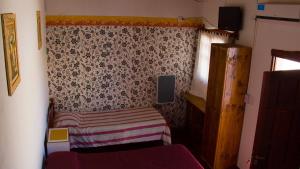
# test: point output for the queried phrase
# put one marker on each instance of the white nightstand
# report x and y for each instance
(58, 140)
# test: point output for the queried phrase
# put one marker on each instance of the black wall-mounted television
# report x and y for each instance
(230, 18)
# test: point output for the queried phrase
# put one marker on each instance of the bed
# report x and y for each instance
(162, 157)
(96, 129)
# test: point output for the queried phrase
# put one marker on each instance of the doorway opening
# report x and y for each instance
(285, 60)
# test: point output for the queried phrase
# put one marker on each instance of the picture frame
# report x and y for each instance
(10, 46)
(39, 29)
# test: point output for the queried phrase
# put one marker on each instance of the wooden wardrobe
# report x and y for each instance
(227, 86)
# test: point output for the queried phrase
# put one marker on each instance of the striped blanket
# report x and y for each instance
(94, 129)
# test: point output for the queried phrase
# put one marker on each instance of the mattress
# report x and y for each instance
(94, 129)
(163, 157)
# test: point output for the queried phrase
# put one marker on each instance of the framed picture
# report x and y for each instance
(10, 46)
(39, 29)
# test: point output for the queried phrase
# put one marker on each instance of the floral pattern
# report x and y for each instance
(99, 68)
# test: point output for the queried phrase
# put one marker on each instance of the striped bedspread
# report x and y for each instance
(94, 129)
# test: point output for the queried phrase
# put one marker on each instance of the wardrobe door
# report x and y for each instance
(233, 106)
(227, 86)
(213, 103)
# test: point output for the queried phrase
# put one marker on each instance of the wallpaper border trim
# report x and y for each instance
(124, 21)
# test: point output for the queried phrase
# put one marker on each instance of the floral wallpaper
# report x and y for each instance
(98, 68)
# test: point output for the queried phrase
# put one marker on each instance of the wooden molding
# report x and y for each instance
(123, 21)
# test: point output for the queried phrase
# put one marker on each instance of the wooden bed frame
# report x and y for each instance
(51, 113)
(50, 122)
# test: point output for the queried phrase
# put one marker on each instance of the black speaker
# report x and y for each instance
(230, 18)
(166, 89)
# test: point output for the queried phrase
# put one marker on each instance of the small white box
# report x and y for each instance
(58, 146)
(58, 140)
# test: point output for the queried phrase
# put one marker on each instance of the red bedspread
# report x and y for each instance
(163, 157)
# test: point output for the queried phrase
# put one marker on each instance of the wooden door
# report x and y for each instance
(277, 139)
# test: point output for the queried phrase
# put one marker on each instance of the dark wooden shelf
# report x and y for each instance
(196, 101)
(195, 110)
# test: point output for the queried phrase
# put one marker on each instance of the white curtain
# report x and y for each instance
(201, 70)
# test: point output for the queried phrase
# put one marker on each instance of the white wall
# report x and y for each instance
(209, 10)
(153, 8)
(23, 115)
